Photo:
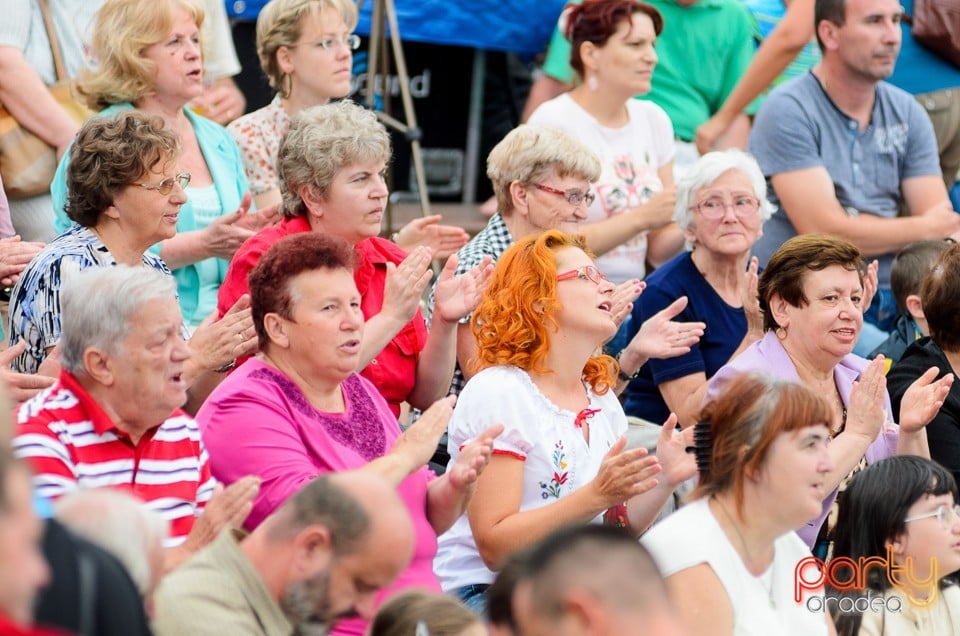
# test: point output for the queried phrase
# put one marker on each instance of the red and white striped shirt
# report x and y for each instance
(72, 443)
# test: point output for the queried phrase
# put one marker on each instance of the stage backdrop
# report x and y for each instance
(520, 26)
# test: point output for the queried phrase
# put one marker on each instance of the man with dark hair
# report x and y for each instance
(592, 580)
(850, 155)
(321, 556)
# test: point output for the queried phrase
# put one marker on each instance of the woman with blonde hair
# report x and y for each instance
(561, 458)
(306, 51)
(149, 58)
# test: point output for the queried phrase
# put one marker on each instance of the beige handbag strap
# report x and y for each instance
(58, 66)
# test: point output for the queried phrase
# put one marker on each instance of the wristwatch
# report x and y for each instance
(623, 376)
(227, 367)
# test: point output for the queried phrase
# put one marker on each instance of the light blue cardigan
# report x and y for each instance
(222, 155)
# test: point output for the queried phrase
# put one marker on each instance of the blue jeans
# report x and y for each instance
(878, 321)
(473, 596)
(882, 312)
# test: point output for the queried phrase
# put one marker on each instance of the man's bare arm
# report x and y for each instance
(808, 198)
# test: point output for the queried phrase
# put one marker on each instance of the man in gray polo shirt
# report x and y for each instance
(843, 150)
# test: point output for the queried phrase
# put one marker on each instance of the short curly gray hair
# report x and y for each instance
(321, 141)
(529, 153)
(707, 170)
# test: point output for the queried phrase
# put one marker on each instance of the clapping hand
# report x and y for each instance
(473, 458)
(404, 285)
(922, 400)
(20, 386)
(661, 337)
(867, 413)
(443, 240)
(457, 296)
(624, 474)
(678, 465)
(225, 234)
(622, 299)
(15, 255)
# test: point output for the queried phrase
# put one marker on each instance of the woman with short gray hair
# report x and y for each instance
(331, 165)
(721, 206)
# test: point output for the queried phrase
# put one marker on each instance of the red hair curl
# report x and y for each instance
(517, 314)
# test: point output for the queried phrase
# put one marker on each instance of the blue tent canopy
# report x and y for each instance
(520, 26)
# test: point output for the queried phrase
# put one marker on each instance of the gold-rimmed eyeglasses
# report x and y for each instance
(165, 186)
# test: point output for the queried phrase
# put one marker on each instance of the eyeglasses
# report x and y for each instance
(573, 196)
(165, 186)
(587, 272)
(351, 41)
(945, 515)
(714, 207)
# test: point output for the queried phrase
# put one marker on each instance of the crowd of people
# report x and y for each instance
(696, 376)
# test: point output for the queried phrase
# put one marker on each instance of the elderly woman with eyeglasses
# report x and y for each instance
(306, 51)
(149, 58)
(125, 195)
(721, 206)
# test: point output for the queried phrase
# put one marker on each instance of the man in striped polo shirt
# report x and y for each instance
(113, 420)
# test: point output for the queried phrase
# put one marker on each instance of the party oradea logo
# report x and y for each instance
(841, 584)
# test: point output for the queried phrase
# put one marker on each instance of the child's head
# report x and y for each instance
(415, 613)
(906, 274)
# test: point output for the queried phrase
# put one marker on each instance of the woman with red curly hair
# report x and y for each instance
(561, 457)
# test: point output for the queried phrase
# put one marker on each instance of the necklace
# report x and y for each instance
(768, 577)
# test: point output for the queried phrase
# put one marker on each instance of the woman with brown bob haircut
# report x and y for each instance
(561, 458)
(812, 298)
(762, 457)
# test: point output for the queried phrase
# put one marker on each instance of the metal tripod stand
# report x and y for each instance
(384, 13)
